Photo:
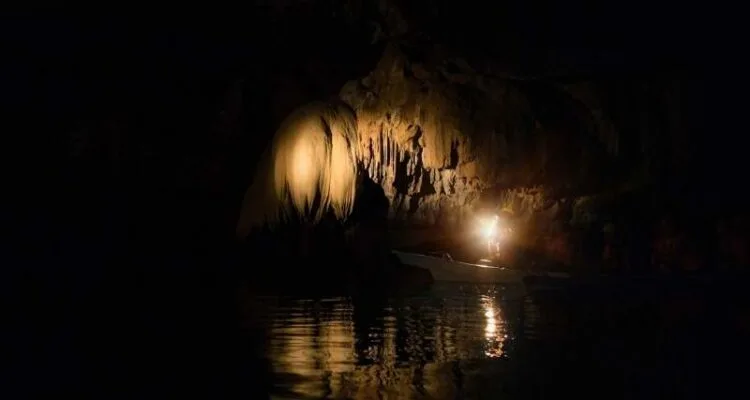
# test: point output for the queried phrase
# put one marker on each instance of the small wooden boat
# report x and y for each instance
(444, 268)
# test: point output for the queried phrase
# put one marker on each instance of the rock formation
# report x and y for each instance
(309, 167)
(445, 138)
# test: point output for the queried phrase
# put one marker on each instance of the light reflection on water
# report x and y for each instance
(494, 330)
(486, 342)
(415, 347)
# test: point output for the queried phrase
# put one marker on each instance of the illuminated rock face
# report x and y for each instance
(436, 136)
(445, 138)
(441, 136)
(310, 166)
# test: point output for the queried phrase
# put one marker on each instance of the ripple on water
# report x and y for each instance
(492, 342)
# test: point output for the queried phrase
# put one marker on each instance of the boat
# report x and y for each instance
(444, 268)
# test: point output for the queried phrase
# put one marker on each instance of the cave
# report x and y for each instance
(145, 149)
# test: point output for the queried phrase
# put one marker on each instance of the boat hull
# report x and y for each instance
(447, 270)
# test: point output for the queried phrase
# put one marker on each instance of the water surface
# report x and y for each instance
(469, 341)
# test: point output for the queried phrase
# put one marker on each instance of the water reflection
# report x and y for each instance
(475, 342)
(396, 348)
(494, 334)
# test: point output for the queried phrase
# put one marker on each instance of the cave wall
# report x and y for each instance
(446, 140)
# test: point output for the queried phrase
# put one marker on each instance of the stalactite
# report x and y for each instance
(437, 142)
(310, 166)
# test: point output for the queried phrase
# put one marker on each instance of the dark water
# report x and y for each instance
(466, 341)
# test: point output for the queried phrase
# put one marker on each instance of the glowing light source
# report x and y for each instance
(489, 230)
(489, 226)
(493, 229)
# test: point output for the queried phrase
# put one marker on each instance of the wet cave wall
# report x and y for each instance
(506, 115)
(437, 133)
(449, 141)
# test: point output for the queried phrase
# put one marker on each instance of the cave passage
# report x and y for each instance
(287, 201)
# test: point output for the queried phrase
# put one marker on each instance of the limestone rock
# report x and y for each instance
(437, 134)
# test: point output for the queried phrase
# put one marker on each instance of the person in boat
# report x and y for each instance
(505, 220)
